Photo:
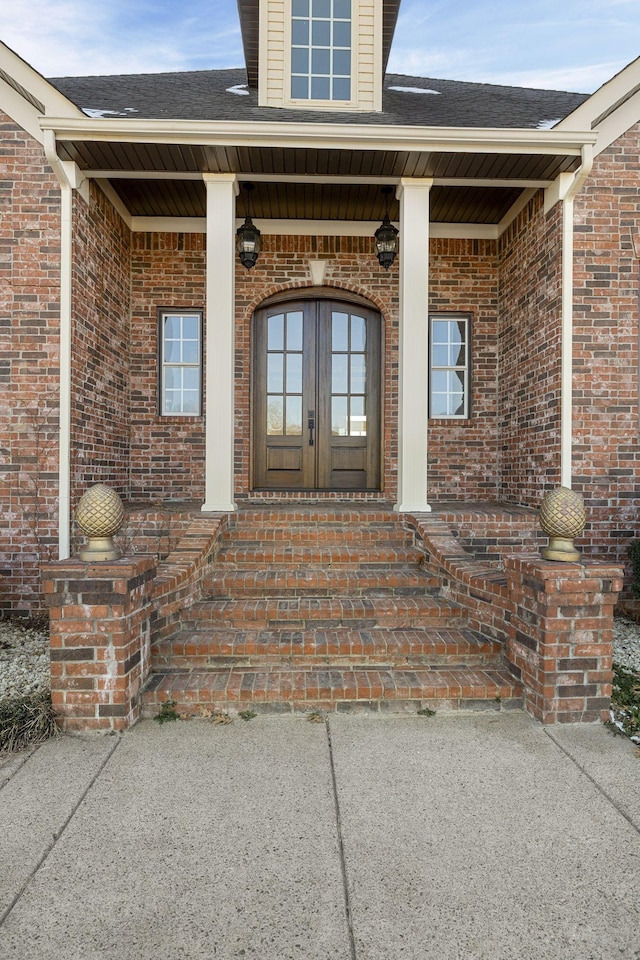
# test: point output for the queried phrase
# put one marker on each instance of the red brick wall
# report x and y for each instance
(167, 453)
(100, 346)
(529, 372)
(605, 423)
(29, 351)
(463, 458)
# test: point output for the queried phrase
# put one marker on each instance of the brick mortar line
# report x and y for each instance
(343, 864)
(57, 835)
(600, 789)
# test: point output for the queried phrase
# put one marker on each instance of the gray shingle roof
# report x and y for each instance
(208, 95)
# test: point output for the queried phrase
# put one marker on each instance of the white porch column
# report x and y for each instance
(219, 342)
(413, 365)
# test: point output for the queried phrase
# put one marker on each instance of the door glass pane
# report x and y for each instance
(294, 331)
(357, 418)
(274, 416)
(275, 372)
(339, 331)
(294, 373)
(358, 373)
(340, 373)
(294, 417)
(339, 426)
(358, 333)
(275, 332)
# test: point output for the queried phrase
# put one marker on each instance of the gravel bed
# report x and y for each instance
(24, 654)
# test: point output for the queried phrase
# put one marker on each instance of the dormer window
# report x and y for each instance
(321, 50)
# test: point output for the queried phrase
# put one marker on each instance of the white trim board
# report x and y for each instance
(313, 228)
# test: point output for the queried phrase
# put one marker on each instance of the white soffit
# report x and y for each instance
(612, 110)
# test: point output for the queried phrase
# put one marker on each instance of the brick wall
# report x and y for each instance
(463, 464)
(100, 352)
(29, 352)
(607, 269)
(167, 453)
(529, 354)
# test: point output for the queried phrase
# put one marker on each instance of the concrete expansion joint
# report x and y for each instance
(343, 865)
(599, 788)
(57, 834)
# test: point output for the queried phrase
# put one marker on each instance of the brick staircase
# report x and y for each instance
(320, 608)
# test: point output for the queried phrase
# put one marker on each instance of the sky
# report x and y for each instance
(555, 44)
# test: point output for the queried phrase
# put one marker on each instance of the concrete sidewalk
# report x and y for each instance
(466, 837)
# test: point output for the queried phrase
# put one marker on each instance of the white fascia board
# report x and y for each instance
(313, 228)
(321, 135)
(21, 111)
(54, 102)
(611, 110)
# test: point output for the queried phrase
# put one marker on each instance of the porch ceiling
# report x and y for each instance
(466, 202)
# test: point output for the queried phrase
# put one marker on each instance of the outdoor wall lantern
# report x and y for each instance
(386, 237)
(248, 236)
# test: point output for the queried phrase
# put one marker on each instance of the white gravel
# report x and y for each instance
(24, 654)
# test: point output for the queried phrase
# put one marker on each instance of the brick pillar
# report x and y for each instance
(560, 636)
(100, 638)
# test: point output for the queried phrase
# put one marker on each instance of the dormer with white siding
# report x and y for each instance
(320, 55)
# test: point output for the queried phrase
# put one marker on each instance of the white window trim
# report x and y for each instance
(348, 105)
(164, 312)
(446, 316)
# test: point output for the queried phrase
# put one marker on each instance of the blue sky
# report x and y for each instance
(569, 45)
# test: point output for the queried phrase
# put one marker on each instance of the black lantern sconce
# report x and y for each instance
(248, 241)
(386, 237)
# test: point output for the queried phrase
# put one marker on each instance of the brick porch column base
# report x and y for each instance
(560, 636)
(100, 638)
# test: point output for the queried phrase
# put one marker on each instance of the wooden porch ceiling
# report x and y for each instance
(180, 197)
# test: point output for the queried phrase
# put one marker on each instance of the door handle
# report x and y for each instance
(311, 423)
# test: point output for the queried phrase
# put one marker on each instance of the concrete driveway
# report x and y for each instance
(466, 837)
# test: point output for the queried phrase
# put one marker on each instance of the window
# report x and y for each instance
(180, 363)
(449, 367)
(321, 50)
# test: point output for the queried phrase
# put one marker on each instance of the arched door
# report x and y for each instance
(316, 396)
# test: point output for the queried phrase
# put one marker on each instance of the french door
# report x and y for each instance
(316, 397)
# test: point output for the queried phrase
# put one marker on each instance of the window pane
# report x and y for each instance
(439, 381)
(299, 60)
(357, 420)
(358, 373)
(190, 351)
(172, 327)
(320, 87)
(190, 327)
(342, 9)
(321, 33)
(275, 332)
(190, 402)
(339, 331)
(191, 378)
(339, 416)
(300, 32)
(340, 373)
(342, 62)
(440, 331)
(294, 417)
(275, 372)
(172, 401)
(172, 378)
(439, 405)
(341, 89)
(300, 8)
(172, 351)
(358, 333)
(299, 88)
(321, 61)
(294, 331)
(341, 34)
(294, 373)
(274, 416)
(321, 8)
(440, 355)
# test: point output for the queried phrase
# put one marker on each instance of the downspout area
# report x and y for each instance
(566, 388)
(64, 452)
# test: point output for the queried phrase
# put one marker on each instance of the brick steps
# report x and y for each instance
(208, 647)
(317, 582)
(307, 612)
(286, 690)
(324, 608)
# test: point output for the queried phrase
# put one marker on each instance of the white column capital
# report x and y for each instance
(413, 183)
(222, 178)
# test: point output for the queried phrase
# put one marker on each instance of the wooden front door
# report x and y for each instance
(316, 397)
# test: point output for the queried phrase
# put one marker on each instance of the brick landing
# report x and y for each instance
(325, 607)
